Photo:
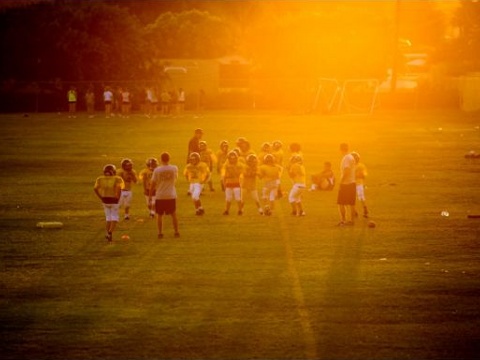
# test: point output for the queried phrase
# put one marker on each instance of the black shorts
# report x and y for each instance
(110, 200)
(347, 194)
(165, 206)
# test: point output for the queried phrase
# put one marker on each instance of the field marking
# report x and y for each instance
(309, 336)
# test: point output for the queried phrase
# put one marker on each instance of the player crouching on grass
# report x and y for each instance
(108, 188)
(197, 173)
(129, 176)
(324, 180)
(146, 178)
(296, 172)
(232, 173)
(270, 173)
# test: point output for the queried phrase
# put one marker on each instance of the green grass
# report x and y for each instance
(247, 287)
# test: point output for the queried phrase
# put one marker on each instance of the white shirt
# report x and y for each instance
(164, 177)
(108, 95)
(347, 167)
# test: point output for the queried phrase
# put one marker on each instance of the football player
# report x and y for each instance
(196, 173)
(296, 172)
(244, 148)
(146, 178)
(249, 183)
(108, 189)
(360, 175)
(129, 176)
(232, 173)
(264, 150)
(221, 158)
(208, 157)
(270, 173)
(324, 180)
(277, 152)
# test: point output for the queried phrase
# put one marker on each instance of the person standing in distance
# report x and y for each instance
(163, 188)
(347, 192)
(194, 143)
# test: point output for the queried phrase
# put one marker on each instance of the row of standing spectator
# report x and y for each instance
(152, 102)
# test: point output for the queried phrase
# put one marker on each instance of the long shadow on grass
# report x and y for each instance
(341, 301)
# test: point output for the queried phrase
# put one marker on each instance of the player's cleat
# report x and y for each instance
(302, 213)
(267, 211)
(126, 217)
(152, 215)
(109, 236)
(160, 236)
(260, 211)
(225, 212)
(294, 213)
(177, 235)
(240, 212)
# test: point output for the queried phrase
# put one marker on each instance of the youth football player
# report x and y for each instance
(360, 175)
(232, 173)
(270, 173)
(249, 183)
(129, 177)
(146, 178)
(208, 157)
(108, 189)
(221, 158)
(197, 173)
(296, 172)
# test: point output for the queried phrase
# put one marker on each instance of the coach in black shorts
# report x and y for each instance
(163, 187)
(347, 192)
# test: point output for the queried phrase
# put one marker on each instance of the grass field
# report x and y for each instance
(248, 287)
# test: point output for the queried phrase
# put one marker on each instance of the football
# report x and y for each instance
(372, 224)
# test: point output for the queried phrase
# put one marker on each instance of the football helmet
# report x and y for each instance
(127, 164)
(194, 158)
(152, 163)
(266, 147)
(109, 170)
(252, 159)
(232, 156)
(277, 145)
(240, 140)
(224, 144)
(202, 145)
(356, 156)
(296, 159)
(269, 159)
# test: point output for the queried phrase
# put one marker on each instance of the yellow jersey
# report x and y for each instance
(109, 186)
(296, 172)
(250, 178)
(232, 173)
(360, 173)
(129, 177)
(146, 177)
(269, 172)
(198, 173)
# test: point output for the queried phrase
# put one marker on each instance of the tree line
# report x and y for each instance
(129, 40)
